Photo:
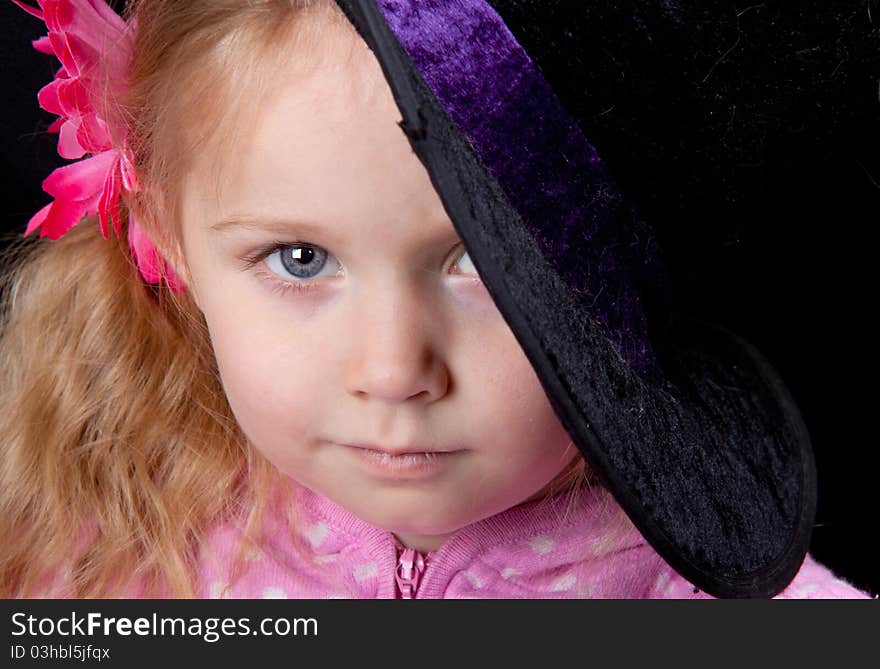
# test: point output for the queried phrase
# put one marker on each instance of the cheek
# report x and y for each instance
(270, 377)
(515, 402)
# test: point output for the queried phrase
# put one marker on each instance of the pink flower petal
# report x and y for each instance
(33, 11)
(59, 46)
(88, 27)
(80, 27)
(144, 252)
(68, 141)
(93, 134)
(85, 57)
(94, 45)
(81, 180)
(105, 13)
(37, 219)
(108, 206)
(82, 16)
(43, 45)
(73, 97)
(174, 282)
(48, 97)
(57, 13)
(64, 215)
(152, 266)
(126, 166)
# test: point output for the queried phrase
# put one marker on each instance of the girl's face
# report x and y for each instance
(344, 311)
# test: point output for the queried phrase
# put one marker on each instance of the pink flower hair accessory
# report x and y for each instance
(95, 46)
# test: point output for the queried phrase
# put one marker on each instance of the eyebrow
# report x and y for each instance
(277, 225)
(284, 226)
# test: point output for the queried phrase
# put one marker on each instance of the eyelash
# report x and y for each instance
(279, 286)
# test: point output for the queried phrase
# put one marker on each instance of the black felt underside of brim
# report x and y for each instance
(714, 467)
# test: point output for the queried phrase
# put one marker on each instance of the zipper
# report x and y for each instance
(411, 567)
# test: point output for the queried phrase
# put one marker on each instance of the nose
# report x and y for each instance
(394, 352)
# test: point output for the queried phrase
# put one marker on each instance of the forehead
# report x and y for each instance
(319, 139)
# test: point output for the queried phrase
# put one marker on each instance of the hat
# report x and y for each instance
(541, 125)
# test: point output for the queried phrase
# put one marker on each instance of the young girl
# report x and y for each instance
(313, 395)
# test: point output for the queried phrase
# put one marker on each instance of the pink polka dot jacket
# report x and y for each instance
(570, 546)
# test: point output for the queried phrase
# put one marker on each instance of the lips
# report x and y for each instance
(405, 464)
(406, 450)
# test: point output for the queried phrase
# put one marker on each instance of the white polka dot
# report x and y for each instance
(510, 572)
(217, 590)
(273, 593)
(317, 533)
(803, 591)
(325, 559)
(661, 582)
(542, 544)
(565, 582)
(365, 571)
(473, 580)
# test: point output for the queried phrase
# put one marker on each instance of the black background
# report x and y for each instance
(801, 291)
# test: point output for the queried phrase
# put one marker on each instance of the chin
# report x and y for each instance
(429, 521)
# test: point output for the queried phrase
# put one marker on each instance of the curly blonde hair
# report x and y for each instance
(119, 449)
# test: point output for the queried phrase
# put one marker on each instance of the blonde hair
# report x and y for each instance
(119, 449)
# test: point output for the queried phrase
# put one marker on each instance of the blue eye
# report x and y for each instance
(299, 264)
(301, 261)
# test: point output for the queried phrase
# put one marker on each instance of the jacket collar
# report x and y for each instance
(528, 545)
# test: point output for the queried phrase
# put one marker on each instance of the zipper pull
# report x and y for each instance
(410, 567)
